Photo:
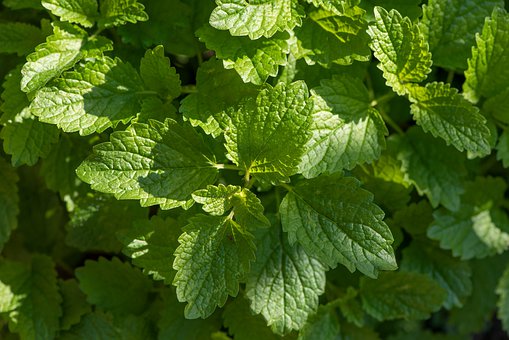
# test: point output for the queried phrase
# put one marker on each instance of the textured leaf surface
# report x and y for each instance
(400, 48)
(256, 18)
(120, 12)
(150, 245)
(254, 60)
(9, 201)
(435, 169)
(30, 298)
(346, 130)
(285, 282)
(96, 325)
(397, 295)
(337, 221)
(267, 136)
(451, 274)
(213, 256)
(440, 110)
(408, 8)
(158, 75)
(83, 12)
(20, 38)
(479, 228)
(322, 325)
(91, 98)
(487, 73)
(61, 51)
(157, 163)
(112, 284)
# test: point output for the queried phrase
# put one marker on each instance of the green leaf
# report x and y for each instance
(151, 244)
(120, 12)
(74, 304)
(346, 130)
(243, 324)
(213, 256)
(323, 325)
(487, 74)
(503, 149)
(414, 218)
(435, 169)
(440, 110)
(285, 282)
(96, 219)
(218, 92)
(22, 4)
(20, 38)
(407, 8)
(451, 274)
(337, 221)
(503, 299)
(61, 51)
(254, 60)
(157, 163)
(83, 12)
(29, 297)
(400, 48)
(115, 286)
(479, 228)
(158, 75)
(397, 295)
(9, 201)
(256, 19)
(96, 326)
(267, 136)
(95, 96)
(450, 27)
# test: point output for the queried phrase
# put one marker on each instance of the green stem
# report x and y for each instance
(369, 85)
(391, 123)
(97, 32)
(227, 167)
(450, 77)
(383, 99)
(286, 186)
(189, 89)
(148, 93)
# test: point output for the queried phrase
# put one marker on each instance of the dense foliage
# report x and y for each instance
(253, 169)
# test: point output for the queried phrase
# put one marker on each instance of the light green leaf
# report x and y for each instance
(157, 163)
(450, 27)
(267, 137)
(323, 325)
(487, 73)
(435, 169)
(61, 51)
(503, 149)
(397, 295)
(503, 299)
(216, 200)
(20, 38)
(346, 130)
(450, 273)
(256, 19)
(93, 97)
(83, 12)
(213, 256)
(285, 282)
(254, 60)
(218, 92)
(479, 228)
(151, 244)
(120, 12)
(112, 285)
(158, 75)
(9, 201)
(29, 297)
(400, 48)
(337, 221)
(440, 110)
(74, 304)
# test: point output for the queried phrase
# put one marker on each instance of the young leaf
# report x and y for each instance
(256, 19)
(337, 221)
(397, 295)
(9, 201)
(83, 12)
(120, 12)
(440, 110)
(400, 48)
(157, 163)
(20, 38)
(61, 51)
(267, 136)
(254, 60)
(150, 245)
(158, 75)
(213, 256)
(487, 74)
(30, 297)
(435, 169)
(111, 285)
(95, 96)
(285, 282)
(346, 130)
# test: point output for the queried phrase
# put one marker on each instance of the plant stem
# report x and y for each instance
(391, 123)
(383, 99)
(227, 167)
(189, 89)
(450, 77)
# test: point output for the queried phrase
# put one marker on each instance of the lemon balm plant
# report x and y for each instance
(253, 169)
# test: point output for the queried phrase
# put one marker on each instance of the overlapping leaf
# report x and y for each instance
(83, 12)
(120, 12)
(20, 38)
(158, 75)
